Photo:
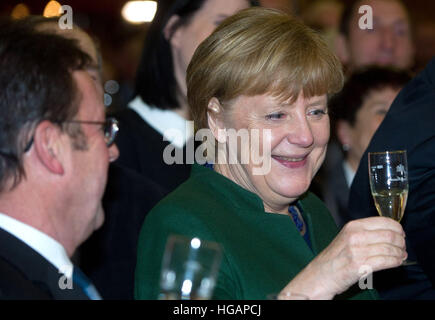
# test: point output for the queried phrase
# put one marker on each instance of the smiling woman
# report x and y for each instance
(262, 70)
(299, 133)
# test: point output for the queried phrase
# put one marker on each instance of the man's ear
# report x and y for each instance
(48, 146)
(215, 120)
(171, 33)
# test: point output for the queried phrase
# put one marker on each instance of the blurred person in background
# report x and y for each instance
(388, 43)
(160, 103)
(323, 15)
(356, 112)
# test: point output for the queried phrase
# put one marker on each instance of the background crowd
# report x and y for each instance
(121, 43)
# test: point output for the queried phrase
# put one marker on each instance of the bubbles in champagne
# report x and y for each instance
(391, 203)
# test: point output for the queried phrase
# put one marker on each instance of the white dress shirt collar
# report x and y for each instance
(348, 173)
(166, 122)
(46, 246)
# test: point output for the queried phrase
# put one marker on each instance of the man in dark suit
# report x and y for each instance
(409, 125)
(108, 257)
(55, 149)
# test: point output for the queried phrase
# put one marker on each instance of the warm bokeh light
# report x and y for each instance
(20, 11)
(52, 9)
(139, 11)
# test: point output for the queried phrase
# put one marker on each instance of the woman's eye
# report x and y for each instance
(275, 116)
(317, 112)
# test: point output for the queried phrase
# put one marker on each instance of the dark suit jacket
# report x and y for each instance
(410, 125)
(335, 194)
(330, 184)
(141, 149)
(108, 257)
(25, 274)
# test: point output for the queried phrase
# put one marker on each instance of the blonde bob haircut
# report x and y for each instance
(259, 51)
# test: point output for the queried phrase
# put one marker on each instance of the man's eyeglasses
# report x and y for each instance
(110, 129)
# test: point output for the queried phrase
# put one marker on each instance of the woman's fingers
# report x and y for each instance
(382, 262)
(385, 249)
(375, 240)
(376, 223)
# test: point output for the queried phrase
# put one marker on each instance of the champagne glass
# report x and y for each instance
(388, 172)
(189, 269)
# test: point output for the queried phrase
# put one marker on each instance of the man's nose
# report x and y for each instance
(387, 38)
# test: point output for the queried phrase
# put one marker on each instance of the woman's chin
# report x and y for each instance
(292, 191)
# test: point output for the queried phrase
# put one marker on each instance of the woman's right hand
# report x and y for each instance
(374, 243)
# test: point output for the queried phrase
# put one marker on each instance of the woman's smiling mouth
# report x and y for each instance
(292, 162)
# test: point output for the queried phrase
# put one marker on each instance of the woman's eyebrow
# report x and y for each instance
(317, 102)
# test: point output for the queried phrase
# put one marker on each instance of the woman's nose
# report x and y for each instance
(300, 133)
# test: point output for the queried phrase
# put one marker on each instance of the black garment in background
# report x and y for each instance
(26, 275)
(108, 257)
(409, 125)
(335, 194)
(141, 149)
(330, 184)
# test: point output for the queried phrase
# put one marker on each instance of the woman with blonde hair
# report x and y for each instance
(265, 73)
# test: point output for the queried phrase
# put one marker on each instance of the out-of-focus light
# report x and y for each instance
(139, 11)
(186, 287)
(195, 243)
(107, 99)
(111, 86)
(20, 11)
(52, 9)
